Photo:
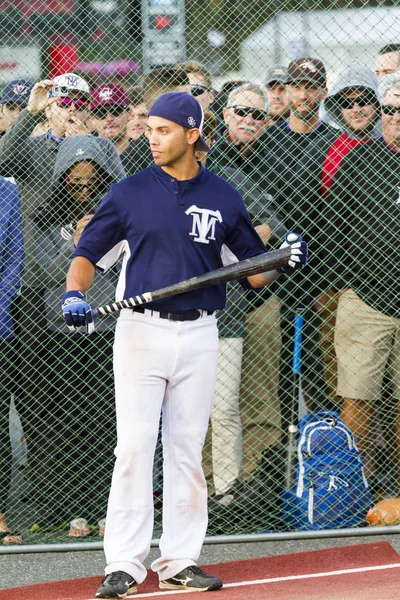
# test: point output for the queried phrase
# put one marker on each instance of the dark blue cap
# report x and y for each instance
(181, 108)
(18, 90)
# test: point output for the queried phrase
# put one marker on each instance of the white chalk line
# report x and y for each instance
(274, 580)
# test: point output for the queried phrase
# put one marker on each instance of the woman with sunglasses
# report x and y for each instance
(79, 412)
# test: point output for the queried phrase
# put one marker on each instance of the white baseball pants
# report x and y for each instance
(168, 366)
(225, 417)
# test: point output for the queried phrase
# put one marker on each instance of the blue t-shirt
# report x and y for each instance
(169, 232)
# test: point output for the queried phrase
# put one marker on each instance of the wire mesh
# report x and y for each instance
(310, 151)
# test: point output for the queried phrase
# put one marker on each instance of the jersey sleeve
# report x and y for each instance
(104, 232)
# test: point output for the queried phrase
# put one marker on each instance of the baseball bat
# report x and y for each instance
(240, 270)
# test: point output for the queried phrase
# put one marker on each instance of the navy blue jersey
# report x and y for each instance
(169, 231)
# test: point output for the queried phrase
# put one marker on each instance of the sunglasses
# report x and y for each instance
(347, 103)
(100, 112)
(245, 111)
(77, 186)
(388, 109)
(79, 103)
(198, 90)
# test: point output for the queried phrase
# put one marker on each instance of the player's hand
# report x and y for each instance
(80, 226)
(299, 255)
(38, 99)
(77, 312)
(75, 126)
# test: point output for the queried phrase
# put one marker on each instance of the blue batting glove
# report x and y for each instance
(77, 312)
(299, 254)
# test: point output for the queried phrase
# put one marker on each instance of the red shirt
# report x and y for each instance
(334, 157)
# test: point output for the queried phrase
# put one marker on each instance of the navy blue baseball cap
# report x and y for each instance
(181, 108)
(18, 90)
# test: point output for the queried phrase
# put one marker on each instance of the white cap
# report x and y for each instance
(73, 82)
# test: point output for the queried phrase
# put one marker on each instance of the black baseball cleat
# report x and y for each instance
(117, 585)
(192, 578)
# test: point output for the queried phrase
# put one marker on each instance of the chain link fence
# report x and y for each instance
(305, 148)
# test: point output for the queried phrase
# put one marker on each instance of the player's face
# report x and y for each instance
(199, 89)
(358, 116)
(9, 112)
(168, 141)
(278, 97)
(305, 99)
(246, 125)
(60, 112)
(82, 181)
(138, 121)
(391, 121)
(387, 63)
(111, 122)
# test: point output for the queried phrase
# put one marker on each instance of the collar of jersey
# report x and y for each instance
(163, 175)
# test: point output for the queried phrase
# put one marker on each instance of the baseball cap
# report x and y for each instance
(181, 108)
(276, 74)
(307, 69)
(73, 82)
(111, 94)
(17, 90)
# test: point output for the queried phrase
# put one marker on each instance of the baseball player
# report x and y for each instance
(171, 221)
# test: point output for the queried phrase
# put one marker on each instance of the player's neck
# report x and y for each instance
(184, 169)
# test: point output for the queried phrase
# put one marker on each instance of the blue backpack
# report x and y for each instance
(331, 488)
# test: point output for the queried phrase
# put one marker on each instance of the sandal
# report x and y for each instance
(102, 526)
(10, 537)
(78, 528)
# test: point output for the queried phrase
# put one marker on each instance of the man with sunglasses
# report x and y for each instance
(362, 226)
(110, 109)
(200, 82)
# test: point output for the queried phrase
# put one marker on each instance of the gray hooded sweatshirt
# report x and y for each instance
(355, 75)
(54, 226)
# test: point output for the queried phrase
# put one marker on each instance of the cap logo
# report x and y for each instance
(308, 66)
(105, 93)
(72, 80)
(79, 152)
(21, 90)
(192, 122)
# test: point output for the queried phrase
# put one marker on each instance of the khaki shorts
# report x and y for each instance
(365, 340)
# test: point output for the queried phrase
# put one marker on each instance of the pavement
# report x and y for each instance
(25, 569)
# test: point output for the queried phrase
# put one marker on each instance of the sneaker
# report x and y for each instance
(117, 585)
(192, 578)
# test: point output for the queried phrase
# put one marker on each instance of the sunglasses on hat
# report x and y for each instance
(100, 112)
(389, 109)
(198, 90)
(245, 111)
(348, 103)
(80, 104)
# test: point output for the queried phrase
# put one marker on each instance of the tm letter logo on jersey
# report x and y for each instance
(203, 228)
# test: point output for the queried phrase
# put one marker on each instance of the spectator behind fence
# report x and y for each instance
(240, 148)
(275, 88)
(286, 143)
(31, 161)
(110, 109)
(11, 260)
(388, 60)
(78, 417)
(138, 119)
(362, 225)
(155, 83)
(200, 82)
(226, 423)
(352, 104)
(14, 99)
